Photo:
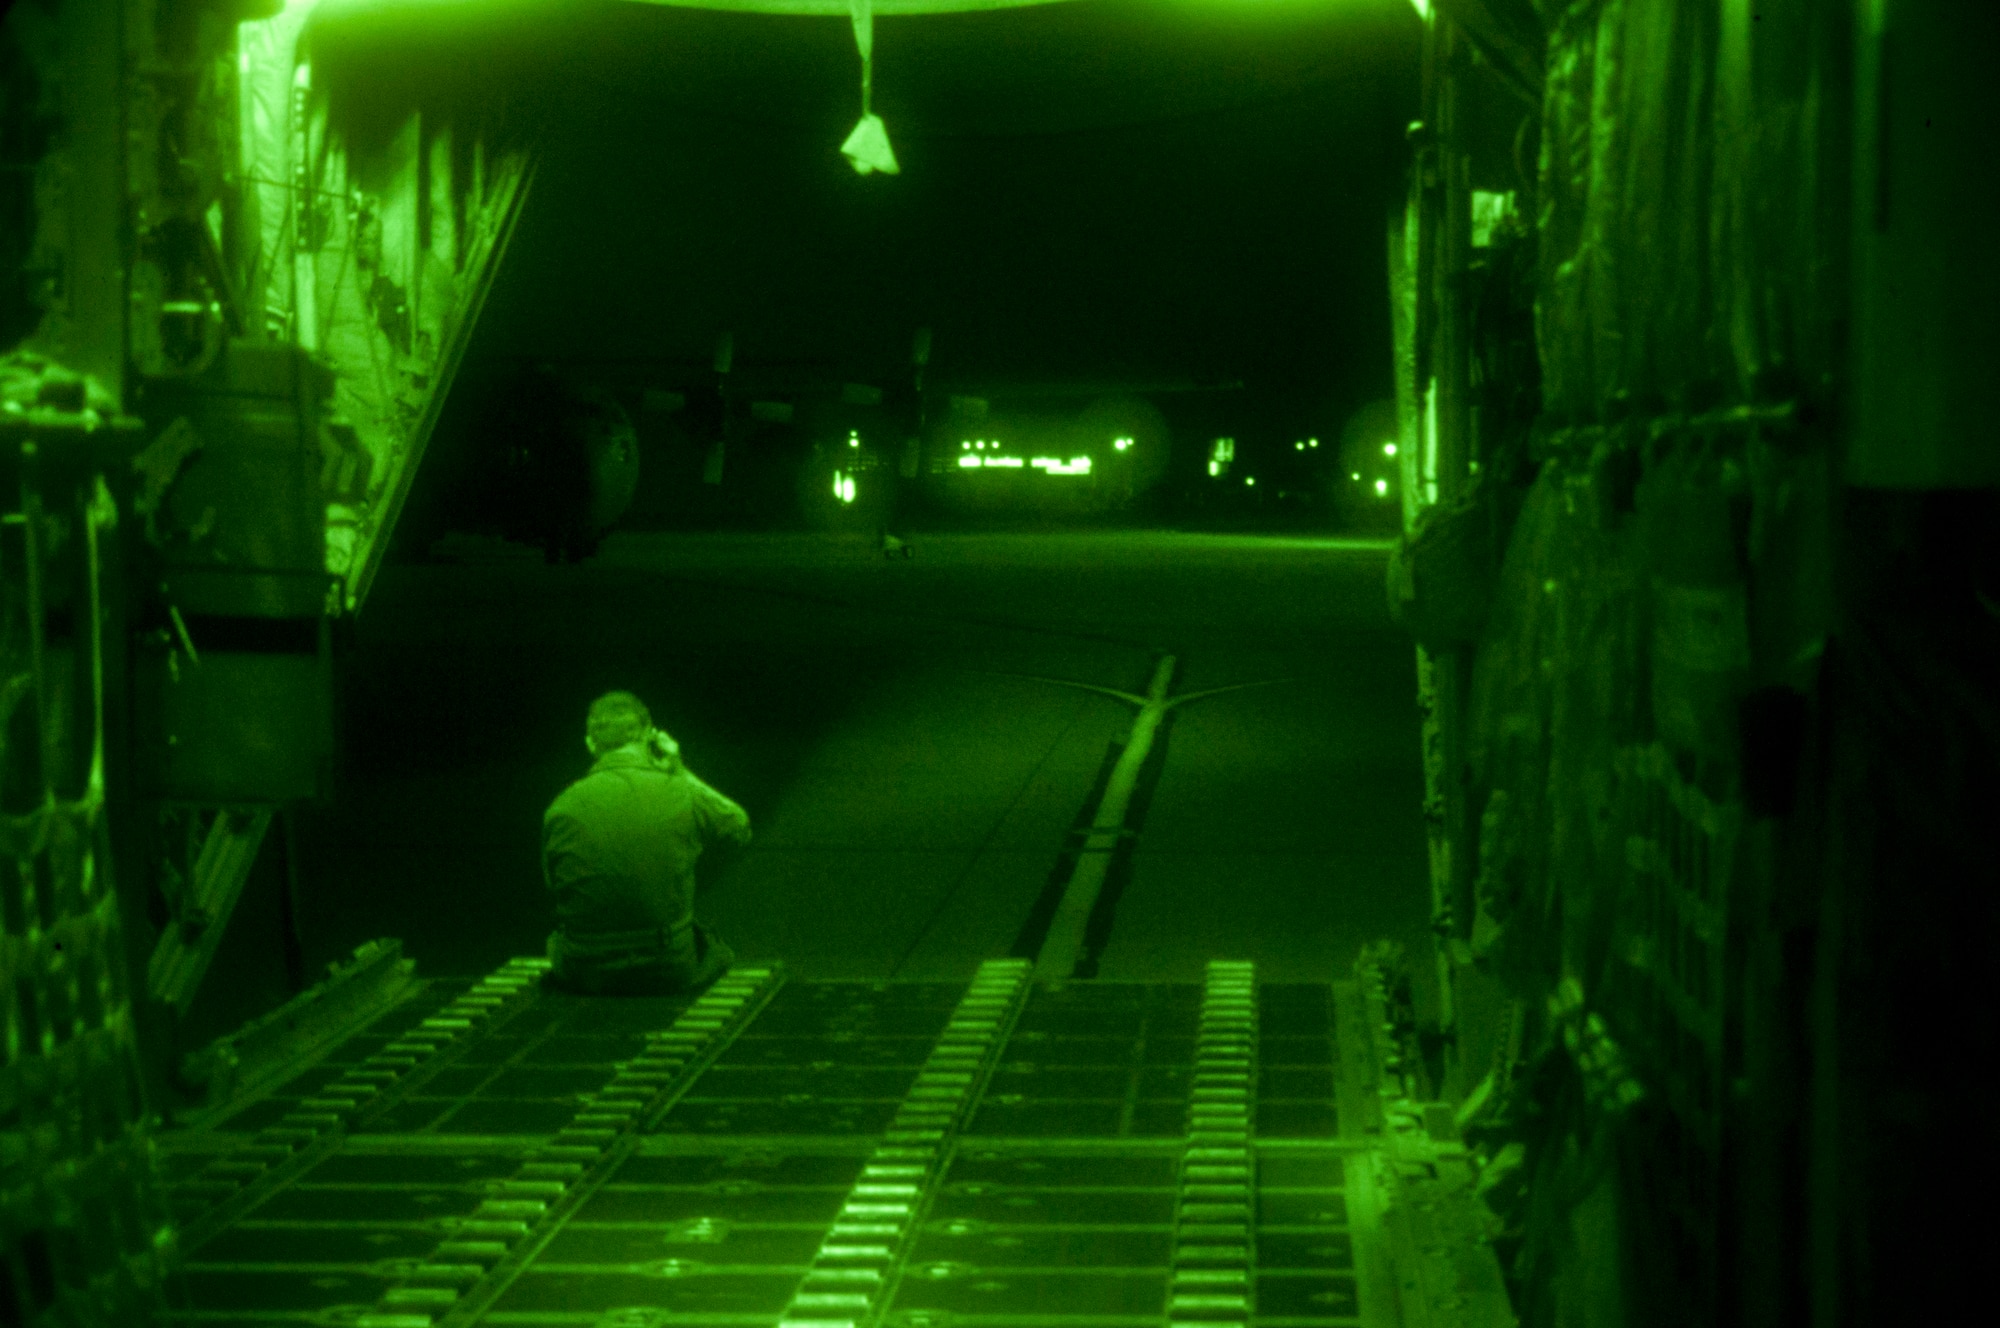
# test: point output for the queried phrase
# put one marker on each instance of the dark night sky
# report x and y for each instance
(1162, 188)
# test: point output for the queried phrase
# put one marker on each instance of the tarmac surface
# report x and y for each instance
(904, 738)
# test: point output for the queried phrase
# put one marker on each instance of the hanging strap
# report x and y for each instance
(863, 14)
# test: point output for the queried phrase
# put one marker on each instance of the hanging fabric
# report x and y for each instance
(867, 148)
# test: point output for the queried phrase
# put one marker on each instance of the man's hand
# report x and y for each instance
(662, 748)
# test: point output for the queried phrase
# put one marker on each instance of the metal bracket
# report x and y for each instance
(276, 1045)
(183, 954)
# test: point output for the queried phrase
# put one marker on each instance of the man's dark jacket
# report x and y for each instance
(619, 845)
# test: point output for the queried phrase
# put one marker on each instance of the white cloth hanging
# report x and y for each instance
(867, 147)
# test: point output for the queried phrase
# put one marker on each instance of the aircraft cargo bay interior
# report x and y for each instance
(995, 663)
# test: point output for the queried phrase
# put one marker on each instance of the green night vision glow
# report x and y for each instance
(1388, 449)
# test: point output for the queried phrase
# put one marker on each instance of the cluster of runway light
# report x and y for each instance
(1221, 455)
(1381, 486)
(977, 458)
(1052, 466)
(843, 486)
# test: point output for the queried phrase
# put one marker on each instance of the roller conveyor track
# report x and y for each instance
(826, 1154)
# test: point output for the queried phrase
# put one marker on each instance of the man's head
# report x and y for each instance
(616, 718)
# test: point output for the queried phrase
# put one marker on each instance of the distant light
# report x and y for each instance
(1121, 443)
(991, 462)
(843, 487)
(1312, 442)
(1381, 488)
(969, 462)
(1388, 449)
(1298, 447)
(1215, 468)
(966, 445)
(854, 437)
(1053, 466)
(1249, 479)
(1357, 475)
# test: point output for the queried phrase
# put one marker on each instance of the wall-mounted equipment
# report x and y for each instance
(232, 676)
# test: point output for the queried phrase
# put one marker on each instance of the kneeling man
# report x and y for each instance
(618, 852)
